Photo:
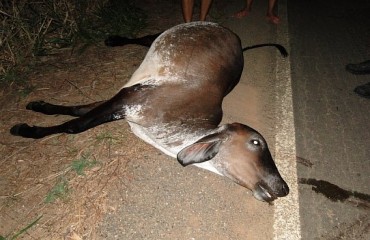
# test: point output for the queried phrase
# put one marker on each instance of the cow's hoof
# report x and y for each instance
(24, 130)
(18, 129)
(35, 106)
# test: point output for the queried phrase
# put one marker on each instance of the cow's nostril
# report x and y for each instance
(284, 190)
(281, 189)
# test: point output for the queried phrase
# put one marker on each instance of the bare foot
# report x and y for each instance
(242, 13)
(273, 19)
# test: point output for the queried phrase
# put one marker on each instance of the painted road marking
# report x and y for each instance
(286, 215)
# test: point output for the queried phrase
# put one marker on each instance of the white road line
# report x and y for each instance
(286, 215)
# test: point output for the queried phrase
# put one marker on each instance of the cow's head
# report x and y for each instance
(241, 154)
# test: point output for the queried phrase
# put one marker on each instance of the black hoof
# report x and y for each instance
(24, 130)
(35, 106)
(17, 130)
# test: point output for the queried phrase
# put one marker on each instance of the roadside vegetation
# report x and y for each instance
(33, 28)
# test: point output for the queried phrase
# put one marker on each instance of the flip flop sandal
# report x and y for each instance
(363, 90)
(360, 68)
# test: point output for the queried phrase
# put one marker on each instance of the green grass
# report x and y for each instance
(10, 76)
(26, 90)
(80, 165)
(59, 191)
(22, 230)
(105, 136)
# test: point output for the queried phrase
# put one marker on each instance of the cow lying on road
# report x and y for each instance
(173, 102)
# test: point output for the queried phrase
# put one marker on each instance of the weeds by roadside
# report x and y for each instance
(80, 165)
(30, 28)
(21, 231)
(59, 191)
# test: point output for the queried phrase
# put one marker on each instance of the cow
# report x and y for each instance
(173, 101)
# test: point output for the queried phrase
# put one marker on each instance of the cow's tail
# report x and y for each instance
(281, 49)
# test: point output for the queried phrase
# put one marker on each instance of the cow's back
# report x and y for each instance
(197, 54)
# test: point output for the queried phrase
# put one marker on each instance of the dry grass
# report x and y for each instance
(38, 28)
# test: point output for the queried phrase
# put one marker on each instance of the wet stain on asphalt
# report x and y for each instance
(335, 193)
(304, 161)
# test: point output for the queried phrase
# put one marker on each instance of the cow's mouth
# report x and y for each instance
(269, 192)
(263, 193)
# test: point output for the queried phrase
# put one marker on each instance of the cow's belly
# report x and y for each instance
(170, 144)
(148, 137)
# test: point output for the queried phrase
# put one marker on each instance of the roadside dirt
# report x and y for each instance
(39, 178)
(34, 170)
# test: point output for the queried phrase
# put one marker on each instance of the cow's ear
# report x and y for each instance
(198, 152)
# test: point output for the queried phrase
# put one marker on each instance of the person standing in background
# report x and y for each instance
(188, 6)
(270, 16)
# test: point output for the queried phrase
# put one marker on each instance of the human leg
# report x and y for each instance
(271, 17)
(187, 10)
(246, 10)
(204, 8)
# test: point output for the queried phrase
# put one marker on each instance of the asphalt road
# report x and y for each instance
(332, 123)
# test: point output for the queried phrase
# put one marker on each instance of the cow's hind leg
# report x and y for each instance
(103, 113)
(107, 111)
(111, 110)
(51, 109)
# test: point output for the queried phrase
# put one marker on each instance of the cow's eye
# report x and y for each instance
(256, 142)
